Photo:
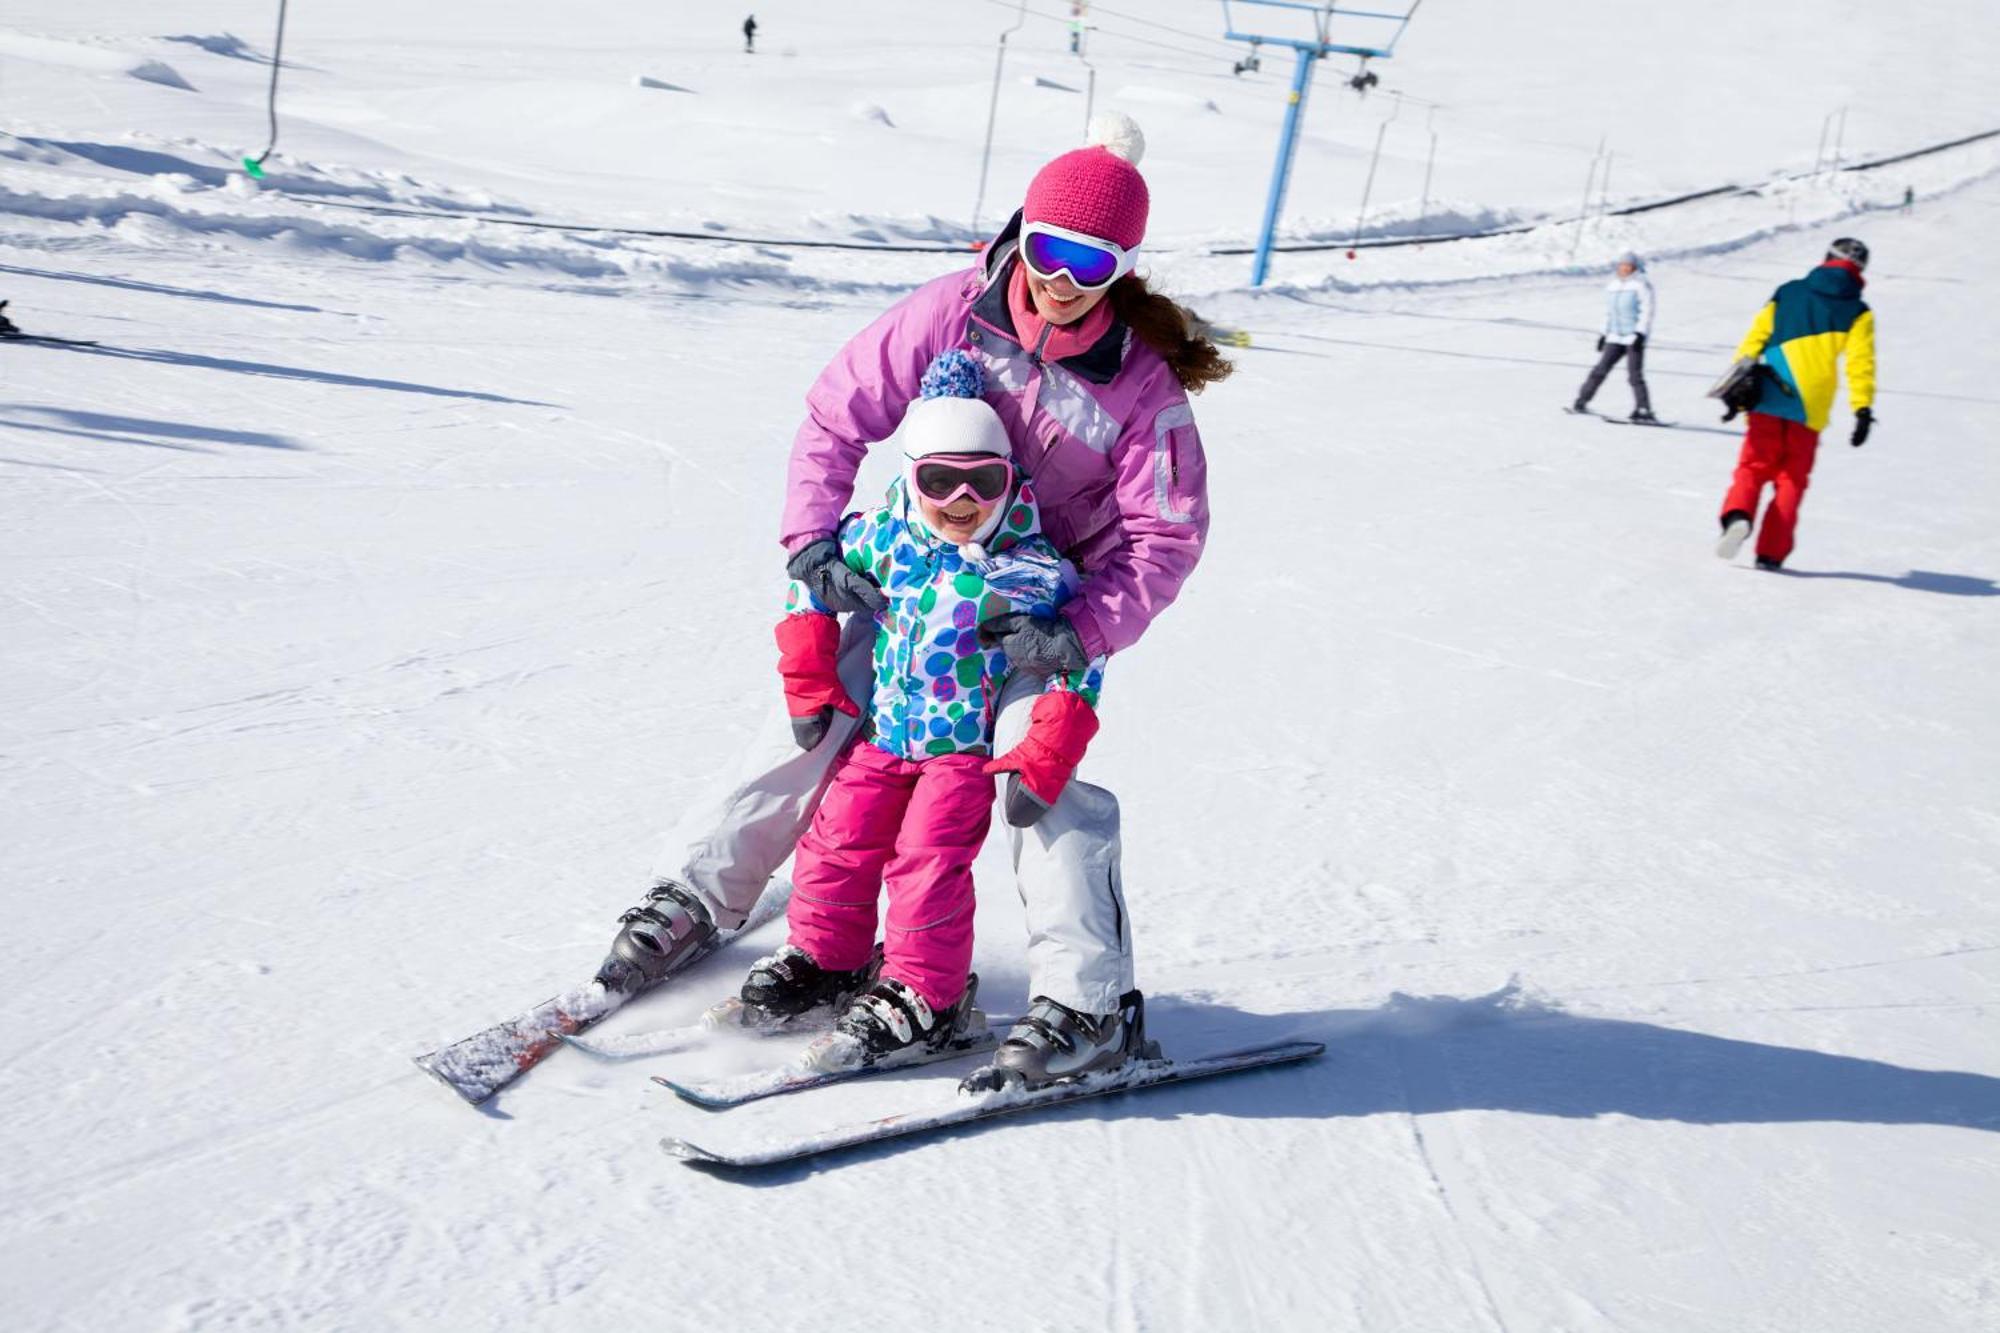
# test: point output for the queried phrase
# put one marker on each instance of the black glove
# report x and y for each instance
(1864, 421)
(835, 586)
(1039, 646)
(1600, 342)
(1638, 341)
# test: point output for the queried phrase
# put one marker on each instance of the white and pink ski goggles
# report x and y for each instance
(1091, 264)
(942, 478)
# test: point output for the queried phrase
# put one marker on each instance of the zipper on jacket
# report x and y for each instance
(1048, 452)
(1042, 343)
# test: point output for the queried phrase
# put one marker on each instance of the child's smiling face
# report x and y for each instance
(958, 520)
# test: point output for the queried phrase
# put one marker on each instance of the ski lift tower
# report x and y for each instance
(1310, 34)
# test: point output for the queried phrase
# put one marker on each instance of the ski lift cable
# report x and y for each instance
(255, 165)
(1112, 32)
(1164, 27)
(662, 233)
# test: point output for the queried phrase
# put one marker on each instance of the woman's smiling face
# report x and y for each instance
(1057, 299)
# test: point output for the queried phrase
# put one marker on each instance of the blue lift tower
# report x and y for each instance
(1311, 39)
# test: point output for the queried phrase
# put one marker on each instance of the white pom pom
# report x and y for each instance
(1119, 133)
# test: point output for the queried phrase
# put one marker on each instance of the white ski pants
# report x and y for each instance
(1066, 866)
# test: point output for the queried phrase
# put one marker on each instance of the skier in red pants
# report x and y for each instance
(1797, 341)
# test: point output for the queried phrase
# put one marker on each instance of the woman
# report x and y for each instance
(1089, 372)
(1628, 323)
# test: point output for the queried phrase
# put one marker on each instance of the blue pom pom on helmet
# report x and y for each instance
(953, 374)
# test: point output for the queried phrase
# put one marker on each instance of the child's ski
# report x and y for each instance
(721, 1021)
(968, 1108)
(480, 1065)
(799, 1075)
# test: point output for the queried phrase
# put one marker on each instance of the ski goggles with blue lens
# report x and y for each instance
(1090, 264)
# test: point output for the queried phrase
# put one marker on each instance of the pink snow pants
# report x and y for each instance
(916, 827)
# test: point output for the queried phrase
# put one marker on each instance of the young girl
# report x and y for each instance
(957, 544)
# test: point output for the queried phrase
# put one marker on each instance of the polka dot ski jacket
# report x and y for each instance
(936, 687)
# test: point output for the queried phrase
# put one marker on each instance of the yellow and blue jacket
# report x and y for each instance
(1800, 334)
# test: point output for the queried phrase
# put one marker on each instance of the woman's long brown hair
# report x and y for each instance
(1172, 330)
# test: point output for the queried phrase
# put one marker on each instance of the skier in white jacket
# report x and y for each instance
(1628, 322)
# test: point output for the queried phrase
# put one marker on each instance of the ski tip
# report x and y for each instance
(428, 1062)
(577, 1041)
(692, 1153)
(692, 1095)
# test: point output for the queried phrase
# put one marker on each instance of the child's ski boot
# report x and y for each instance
(888, 1019)
(790, 983)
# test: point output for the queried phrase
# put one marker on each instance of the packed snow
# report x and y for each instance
(391, 574)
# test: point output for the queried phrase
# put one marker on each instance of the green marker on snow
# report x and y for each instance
(254, 167)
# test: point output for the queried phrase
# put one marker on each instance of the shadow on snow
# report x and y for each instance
(196, 361)
(159, 289)
(136, 430)
(1421, 1055)
(1917, 580)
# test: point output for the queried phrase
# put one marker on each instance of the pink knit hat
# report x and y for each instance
(1097, 189)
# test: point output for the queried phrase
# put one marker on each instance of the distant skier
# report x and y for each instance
(958, 541)
(1909, 198)
(1628, 322)
(8, 329)
(750, 33)
(1796, 343)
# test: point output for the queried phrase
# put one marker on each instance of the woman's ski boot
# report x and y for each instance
(1053, 1042)
(790, 983)
(658, 936)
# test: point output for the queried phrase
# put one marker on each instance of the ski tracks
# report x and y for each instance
(1473, 1269)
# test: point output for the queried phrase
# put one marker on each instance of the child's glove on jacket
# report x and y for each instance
(809, 661)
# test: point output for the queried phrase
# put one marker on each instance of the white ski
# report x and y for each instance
(478, 1066)
(805, 1072)
(968, 1108)
(721, 1021)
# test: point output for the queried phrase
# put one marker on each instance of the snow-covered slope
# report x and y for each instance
(381, 587)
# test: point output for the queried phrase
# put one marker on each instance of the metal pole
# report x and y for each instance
(1430, 161)
(1819, 154)
(1604, 186)
(255, 165)
(1424, 208)
(1368, 188)
(1280, 174)
(1583, 210)
(992, 112)
(1090, 93)
(1839, 138)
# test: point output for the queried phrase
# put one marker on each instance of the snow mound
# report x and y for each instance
(868, 113)
(92, 59)
(648, 81)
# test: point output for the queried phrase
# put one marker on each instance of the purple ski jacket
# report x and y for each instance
(1107, 437)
